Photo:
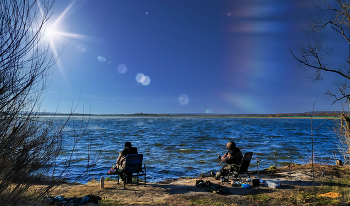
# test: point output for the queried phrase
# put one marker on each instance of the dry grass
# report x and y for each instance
(331, 187)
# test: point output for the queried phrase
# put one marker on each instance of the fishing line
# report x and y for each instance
(211, 149)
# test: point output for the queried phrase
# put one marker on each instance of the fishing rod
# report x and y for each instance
(211, 149)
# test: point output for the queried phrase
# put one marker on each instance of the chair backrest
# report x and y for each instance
(133, 163)
(245, 162)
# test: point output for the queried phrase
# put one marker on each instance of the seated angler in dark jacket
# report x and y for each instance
(233, 156)
(122, 155)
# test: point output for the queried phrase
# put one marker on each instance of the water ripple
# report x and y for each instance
(172, 147)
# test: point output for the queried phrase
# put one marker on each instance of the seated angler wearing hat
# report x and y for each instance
(233, 156)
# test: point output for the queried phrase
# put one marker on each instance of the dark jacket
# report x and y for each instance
(122, 155)
(233, 156)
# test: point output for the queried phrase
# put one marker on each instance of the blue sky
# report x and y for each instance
(192, 56)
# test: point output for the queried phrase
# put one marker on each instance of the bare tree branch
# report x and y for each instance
(315, 57)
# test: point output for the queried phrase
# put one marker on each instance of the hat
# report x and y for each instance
(127, 144)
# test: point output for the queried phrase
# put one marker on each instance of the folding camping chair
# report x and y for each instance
(133, 164)
(237, 170)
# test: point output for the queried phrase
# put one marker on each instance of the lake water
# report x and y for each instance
(173, 147)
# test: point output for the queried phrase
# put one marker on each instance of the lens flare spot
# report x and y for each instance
(183, 99)
(122, 68)
(140, 77)
(101, 58)
(81, 48)
(208, 111)
(146, 80)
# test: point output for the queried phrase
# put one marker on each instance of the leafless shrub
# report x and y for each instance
(29, 146)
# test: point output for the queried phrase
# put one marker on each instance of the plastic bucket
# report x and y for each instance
(256, 182)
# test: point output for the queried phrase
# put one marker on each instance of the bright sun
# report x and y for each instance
(53, 31)
(50, 32)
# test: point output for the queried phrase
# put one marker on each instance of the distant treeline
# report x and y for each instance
(305, 114)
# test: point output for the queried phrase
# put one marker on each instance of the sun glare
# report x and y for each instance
(49, 32)
(53, 32)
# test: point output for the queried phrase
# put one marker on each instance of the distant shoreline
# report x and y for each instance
(196, 116)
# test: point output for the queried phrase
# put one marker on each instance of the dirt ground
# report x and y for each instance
(175, 192)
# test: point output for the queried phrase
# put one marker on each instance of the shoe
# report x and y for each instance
(217, 176)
